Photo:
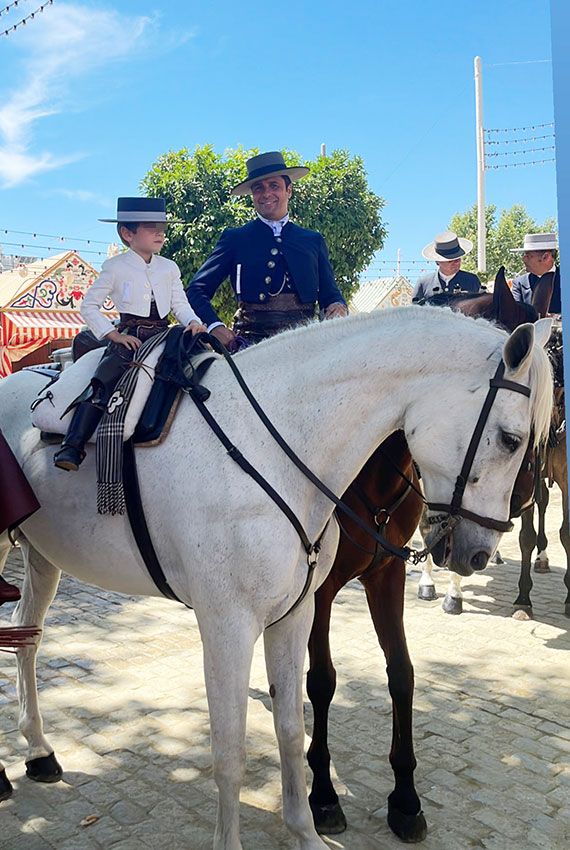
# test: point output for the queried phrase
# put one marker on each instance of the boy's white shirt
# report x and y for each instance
(129, 282)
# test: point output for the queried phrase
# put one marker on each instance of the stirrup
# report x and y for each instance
(69, 458)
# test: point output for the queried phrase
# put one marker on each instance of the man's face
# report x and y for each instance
(271, 197)
(450, 267)
(537, 262)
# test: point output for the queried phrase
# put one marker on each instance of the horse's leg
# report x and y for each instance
(565, 534)
(40, 585)
(453, 601)
(228, 650)
(5, 784)
(426, 586)
(285, 647)
(385, 595)
(541, 562)
(321, 684)
(527, 543)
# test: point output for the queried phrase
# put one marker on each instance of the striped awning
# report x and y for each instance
(22, 326)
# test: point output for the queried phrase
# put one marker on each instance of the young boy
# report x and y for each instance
(144, 288)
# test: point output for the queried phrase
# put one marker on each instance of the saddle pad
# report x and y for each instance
(48, 408)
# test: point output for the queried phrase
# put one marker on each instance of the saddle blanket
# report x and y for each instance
(55, 398)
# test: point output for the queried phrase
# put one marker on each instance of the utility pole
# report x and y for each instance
(481, 231)
(323, 149)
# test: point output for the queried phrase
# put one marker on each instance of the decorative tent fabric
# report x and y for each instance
(23, 331)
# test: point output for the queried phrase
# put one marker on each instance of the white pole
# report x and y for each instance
(481, 232)
(398, 263)
(323, 149)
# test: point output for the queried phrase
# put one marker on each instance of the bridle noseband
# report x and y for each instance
(454, 508)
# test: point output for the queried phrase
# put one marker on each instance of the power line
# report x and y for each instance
(519, 153)
(8, 7)
(52, 248)
(29, 17)
(518, 141)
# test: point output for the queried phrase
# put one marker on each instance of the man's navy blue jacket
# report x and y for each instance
(263, 258)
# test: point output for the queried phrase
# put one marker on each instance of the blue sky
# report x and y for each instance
(92, 92)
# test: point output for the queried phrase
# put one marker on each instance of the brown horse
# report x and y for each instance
(553, 469)
(383, 498)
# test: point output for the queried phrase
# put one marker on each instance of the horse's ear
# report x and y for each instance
(518, 349)
(505, 308)
(542, 331)
(543, 291)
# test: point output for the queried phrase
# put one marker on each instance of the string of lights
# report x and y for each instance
(517, 129)
(8, 7)
(519, 141)
(29, 17)
(51, 248)
(519, 153)
(51, 236)
(520, 164)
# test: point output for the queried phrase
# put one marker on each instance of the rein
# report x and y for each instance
(452, 511)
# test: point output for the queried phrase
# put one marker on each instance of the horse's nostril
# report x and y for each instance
(480, 560)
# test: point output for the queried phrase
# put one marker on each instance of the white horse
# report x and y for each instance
(335, 391)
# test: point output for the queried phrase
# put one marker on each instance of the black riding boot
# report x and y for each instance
(85, 420)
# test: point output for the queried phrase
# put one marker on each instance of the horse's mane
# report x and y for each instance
(440, 318)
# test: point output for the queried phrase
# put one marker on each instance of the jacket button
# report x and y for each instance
(268, 279)
(274, 251)
(262, 296)
(278, 239)
(271, 264)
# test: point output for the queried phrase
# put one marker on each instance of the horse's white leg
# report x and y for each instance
(426, 586)
(40, 585)
(228, 650)
(453, 601)
(285, 647)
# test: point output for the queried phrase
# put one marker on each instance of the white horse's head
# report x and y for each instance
(513, 420)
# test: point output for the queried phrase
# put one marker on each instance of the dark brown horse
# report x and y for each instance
(382, 497)
(553, 469)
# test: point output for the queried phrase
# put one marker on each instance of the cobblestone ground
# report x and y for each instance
(124, 706)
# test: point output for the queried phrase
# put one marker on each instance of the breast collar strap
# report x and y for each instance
(496, 383)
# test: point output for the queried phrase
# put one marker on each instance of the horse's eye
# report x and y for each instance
(510, 441)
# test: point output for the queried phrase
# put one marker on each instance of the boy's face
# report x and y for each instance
(148, 239)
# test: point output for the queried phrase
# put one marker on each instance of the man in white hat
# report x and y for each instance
(447, 250)
(539, 253)
(277, 269)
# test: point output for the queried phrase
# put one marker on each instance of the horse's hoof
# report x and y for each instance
(523, 613)
(44, 769)
(329, 819)
(427, 592)
(541, 566)
(5, 786)
(408, 828)
(452, 605)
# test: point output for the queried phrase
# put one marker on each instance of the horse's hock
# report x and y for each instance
(130, 723)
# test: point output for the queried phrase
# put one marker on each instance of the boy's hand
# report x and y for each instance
(196, 328)
(127, 340)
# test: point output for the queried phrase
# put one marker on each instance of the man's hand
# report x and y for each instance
(336, 310)
(127, 340)
(195, 327)
(224, 335)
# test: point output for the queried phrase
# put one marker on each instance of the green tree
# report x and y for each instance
(333, 199)
(503, 234)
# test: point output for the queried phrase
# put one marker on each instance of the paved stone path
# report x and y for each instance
(124, 705)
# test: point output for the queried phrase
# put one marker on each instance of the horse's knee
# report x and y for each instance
(228, 768)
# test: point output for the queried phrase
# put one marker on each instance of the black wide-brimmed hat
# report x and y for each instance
(264, 165)
(137, 210)
(447, 246)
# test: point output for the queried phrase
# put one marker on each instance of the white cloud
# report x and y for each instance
(66, 42)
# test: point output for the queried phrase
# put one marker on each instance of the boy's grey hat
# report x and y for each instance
(136, 210)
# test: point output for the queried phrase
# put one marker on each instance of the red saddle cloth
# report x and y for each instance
(17, 499)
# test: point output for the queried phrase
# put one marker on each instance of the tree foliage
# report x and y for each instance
(503, 234)
(333, 199)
